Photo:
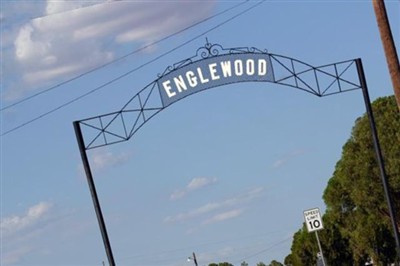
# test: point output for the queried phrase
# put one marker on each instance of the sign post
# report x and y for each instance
(313, 222)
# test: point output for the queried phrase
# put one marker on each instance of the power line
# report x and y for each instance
(194, 247)
(119, 58)
(131, 71)
(158, 258)
(264, 250)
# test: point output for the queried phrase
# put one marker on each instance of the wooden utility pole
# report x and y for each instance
(388, 46)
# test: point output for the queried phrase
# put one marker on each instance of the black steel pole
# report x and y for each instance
(195, 260)
(93, 192)
(379, 156)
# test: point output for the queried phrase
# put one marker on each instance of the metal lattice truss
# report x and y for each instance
(321, 81)
(121, 125)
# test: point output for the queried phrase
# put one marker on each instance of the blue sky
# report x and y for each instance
(225, 173)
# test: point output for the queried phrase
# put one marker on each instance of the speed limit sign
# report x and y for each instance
(313, 220)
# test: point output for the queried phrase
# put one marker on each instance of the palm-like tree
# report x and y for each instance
(389, 46)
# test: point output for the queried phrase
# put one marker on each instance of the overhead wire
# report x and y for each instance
(160, 258)
(206, 244)
(264, 250)
(132, 70)
(120, 58)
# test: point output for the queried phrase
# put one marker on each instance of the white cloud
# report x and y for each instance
(195, 184)
(105, 159)
(15, 255)
(17, 12)
(102, 160)
(76, 36)
(35, 214)
(224, 216)
(234, 202)
(200, 182)
(59, 6)
(286, 158)
(38, 232)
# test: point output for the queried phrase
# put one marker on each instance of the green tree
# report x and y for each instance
(304, 248)
(354, 195)
(335, 247)
(356, 223)
(261, 264)
(288, 260)
(244, 263)
(275, 263)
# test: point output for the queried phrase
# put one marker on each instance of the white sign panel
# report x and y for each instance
(313, 220)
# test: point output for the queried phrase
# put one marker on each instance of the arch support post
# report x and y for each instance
(92, 188)
(379, 157)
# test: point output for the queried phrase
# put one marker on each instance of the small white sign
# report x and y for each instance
(313, 220)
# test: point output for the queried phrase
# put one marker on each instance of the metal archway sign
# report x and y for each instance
(211, 67)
